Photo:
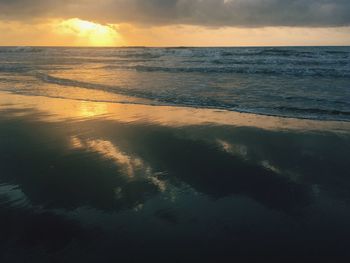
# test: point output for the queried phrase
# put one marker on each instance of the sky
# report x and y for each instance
(174, 22)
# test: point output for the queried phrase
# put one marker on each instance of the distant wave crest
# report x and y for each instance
(21, 50)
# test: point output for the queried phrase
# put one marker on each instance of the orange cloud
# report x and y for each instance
(77, 32)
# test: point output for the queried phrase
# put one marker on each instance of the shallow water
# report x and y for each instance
(302, 82)
(95, 181)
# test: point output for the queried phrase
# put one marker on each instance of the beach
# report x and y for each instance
(99, 181)
(174, 131)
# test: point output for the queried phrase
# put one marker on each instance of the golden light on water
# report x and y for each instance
(91, 109)
(89, 33)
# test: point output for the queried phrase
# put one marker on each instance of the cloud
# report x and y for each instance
(216, 13)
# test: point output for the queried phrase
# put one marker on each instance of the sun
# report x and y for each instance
(89, 33)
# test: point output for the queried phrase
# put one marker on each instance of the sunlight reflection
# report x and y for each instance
(88, 109)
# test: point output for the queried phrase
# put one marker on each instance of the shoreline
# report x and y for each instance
(137, 99)
(199, 115)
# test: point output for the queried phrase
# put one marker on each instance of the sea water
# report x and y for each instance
(300, 82)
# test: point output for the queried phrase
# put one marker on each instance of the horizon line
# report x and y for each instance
(180, 46)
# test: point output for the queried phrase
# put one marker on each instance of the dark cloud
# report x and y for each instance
(248, 13)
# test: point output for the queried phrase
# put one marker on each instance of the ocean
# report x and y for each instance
(299, 82)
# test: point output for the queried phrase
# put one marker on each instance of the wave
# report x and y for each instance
(313, 111)
(287, 71)
(170, 99)
(34, 94)
(281, 112)
(73, 83)
(275, 61)
(269, 52)
(270, 81)
(319, 100)
(164, 97)
(340, 52)
(283, 52)
(21, 49)
(286, 53)
(14, 68)
(139, 55)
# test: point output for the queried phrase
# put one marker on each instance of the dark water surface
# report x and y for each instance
(99, 182)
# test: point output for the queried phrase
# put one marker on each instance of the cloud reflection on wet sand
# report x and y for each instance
(146, 177)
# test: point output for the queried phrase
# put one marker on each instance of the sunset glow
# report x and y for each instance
(89, 33)
(174, 23)
(174, 131)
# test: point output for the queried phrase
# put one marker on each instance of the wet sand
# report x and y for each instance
(92, 182)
